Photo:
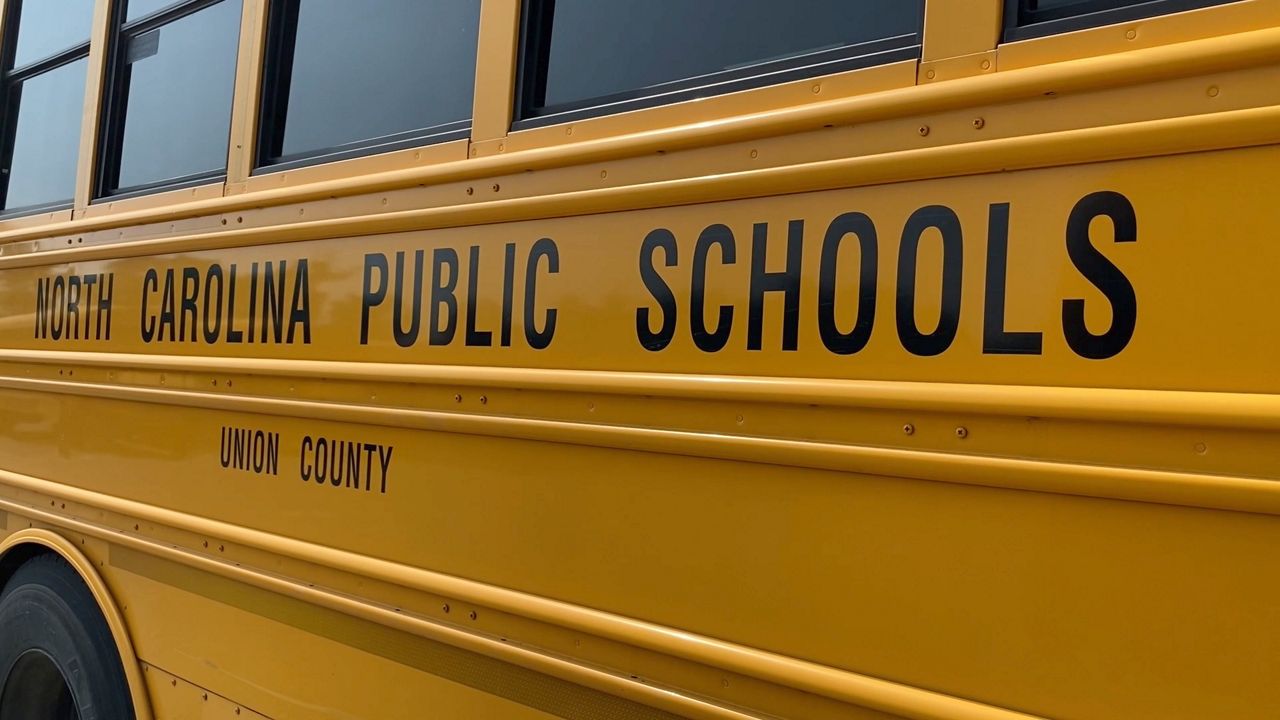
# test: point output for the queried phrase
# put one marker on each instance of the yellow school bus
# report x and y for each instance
(715, 359)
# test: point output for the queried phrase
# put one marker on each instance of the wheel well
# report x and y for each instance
(24, 545)
(15, 556)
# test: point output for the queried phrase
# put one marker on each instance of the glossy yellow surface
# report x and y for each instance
(998, 446)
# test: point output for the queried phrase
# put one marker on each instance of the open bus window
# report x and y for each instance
(168, 113)
(1026, 19)
(592, 57)
(44, 80)
(405, 75)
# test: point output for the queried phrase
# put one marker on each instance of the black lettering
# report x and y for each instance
(73, 307)
(659, 289)
(253, 300)
(233, 335)
(855, 340)
(995, 339)
(89, 282)
(300, 309)
(945, 221)
(150, 284)
(475, 338)
(539, 339)
(508, 292)
(442, 293)
(272, 466)
(710, 341)
(786, 282)
(308, 448)
(57, 303)
(385, 460)
(273, 302)
(166, 306)
(105, 291)
(406, 338)
(43, 286)
(190, 290)
(372, 296)
(225, 449)
(214, 329)
(1103, 274)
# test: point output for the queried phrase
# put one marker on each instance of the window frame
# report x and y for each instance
(533, 54)
(10, 79)
(273, 100)
(114, 106)
(1024, 23)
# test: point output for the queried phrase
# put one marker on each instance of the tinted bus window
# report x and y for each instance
(405, 72)
(170, 110)
(48, 26)
(1036, 18)
(47, 45)
(594, 53)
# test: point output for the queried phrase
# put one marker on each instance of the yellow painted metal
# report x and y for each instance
(106, 603)
(495, 88)
(242, 150)
(961, 27)
(578, 521)
(95, 79)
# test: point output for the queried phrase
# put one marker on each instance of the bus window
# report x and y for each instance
(588, 57)
(186, 51)
(1036, 18)
(405, 76)
(44, 102)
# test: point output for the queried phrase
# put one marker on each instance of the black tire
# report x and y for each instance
(57, 658)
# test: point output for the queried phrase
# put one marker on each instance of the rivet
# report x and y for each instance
(741, 419)
(1213, 91)
(817, 89)
(1131, 34)
(502, 147)
(473, 615)
(962, 432)
(755, 153)
(930, 74)
(385, 201)
(568, 131)
(604, 174)
(923, 130)
(204, 696)
(909, 429)
(986, 64)
(1201, 448)
(173, 683)
(496, 187)
(445, 607)
(471, 191)
(222, 548)
(457, 398)
(979, 123)
(484, 400)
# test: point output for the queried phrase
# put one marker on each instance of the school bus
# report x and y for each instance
(594, 359)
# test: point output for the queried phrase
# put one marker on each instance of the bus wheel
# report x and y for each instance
(58, 660)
